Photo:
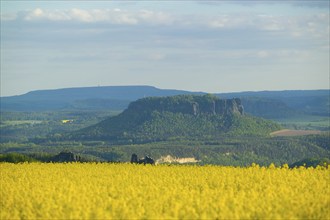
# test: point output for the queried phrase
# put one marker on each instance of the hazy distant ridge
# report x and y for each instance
(67, 98)
(269, 104)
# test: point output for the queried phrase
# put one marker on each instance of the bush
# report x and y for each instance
(15, 158)
(311, 162)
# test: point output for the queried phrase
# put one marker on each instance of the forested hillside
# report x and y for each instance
(177, 117)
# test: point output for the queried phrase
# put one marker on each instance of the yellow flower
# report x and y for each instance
(126, 191)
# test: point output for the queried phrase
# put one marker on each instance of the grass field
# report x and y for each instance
(287, 133)
(126, 191)
(307, 122)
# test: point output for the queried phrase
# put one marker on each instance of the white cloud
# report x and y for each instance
(311, 25)
(81, 15)
(155, 17)
(58, 16)
(219, 22)
(262, 54)
(39, 14)
(114, 16)
(35, 14)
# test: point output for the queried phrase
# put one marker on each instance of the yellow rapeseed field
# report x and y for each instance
(128, 191)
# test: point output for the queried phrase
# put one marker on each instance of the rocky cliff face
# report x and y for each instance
(188, 104)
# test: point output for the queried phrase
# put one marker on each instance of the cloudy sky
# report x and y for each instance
(210, 46)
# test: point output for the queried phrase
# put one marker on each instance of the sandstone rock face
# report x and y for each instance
(145, 160)
(188, 104)
(66, 157)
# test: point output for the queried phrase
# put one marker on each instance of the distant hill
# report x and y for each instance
(184, 116)
(268, 108)
(276, 104)
(88, 98)
(267, 104)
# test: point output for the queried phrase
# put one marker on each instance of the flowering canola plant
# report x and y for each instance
(129, 191)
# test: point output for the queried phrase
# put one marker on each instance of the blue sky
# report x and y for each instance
(210, 46)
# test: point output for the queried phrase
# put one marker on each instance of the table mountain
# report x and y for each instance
(177, 117)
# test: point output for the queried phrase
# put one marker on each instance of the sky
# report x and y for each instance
(209, 46)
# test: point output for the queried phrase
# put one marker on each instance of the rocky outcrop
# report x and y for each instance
(66, 157)
(188, 104)
(145, 160)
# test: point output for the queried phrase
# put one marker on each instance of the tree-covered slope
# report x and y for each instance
(178, 117)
